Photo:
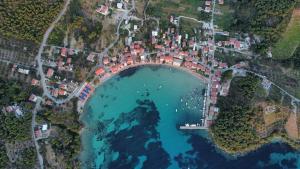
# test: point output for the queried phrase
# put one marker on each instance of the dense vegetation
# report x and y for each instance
(294, 61)
(12, 128)
(66, 124)
(27, 19)
(262, 17)
(233, 129)
(3, 156)
(28, 158)
(77, 25)
(227, 75)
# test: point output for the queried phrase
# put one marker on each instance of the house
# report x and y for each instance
(119, 5)
(91, 57)
(103, 9)
(114, 69)
(23, 71)
(54, 92)
(223, 65)
(237, 45)
(99, 71)
(50, 73)
(44, 127)
(63, 86)
(62, 92)
(129, 60)
(63, 52)
(35, 82)
(106, 61)
(221, 2)
(33, 98)
(154, 33)
(232, 41)
(207, 3)
(166, 59)
(69, 60)
(177, 62)
(207, 9)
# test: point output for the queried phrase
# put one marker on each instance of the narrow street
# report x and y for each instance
(40, 157)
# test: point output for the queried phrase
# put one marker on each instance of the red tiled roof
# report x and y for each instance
(69, 60)
(63, 52)
(99, 71)
(62, 92)
(50, 73)
(105, 60)
(34, 82)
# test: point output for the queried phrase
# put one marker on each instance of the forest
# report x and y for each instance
(27, 20)
(233, 129)
(67, 141)
(266, 18)
(12, 128)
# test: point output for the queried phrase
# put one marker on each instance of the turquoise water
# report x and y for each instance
(132, 121)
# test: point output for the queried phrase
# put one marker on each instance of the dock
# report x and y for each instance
(193, 127)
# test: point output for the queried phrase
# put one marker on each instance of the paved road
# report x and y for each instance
(284, 91)
(36, 108)
(186, 17)
(38, 56)
(43, 82)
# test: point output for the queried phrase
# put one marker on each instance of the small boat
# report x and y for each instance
(176, 110)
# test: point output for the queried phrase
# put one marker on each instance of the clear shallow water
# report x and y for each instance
(132, 121)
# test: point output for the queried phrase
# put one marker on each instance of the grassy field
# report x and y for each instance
(178, 7)
(224, 19)
(290, 40)
(187, 26)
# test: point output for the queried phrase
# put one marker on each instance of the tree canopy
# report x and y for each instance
(233, 129)
(28, 19)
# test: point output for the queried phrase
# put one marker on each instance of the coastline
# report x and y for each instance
(273, 138)
(108, 76)
(171, 70)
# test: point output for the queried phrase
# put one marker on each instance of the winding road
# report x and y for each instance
(39, 156)
(43, 80)
(41, 49)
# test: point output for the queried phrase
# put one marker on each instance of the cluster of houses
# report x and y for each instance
(208, 5)
(16, 109)
(59, 63)
(42, 131)
(235, 43)
(104, 9)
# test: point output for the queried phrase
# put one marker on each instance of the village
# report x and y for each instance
(70, 72)
(63, 67)
(171, 47)
(63, 77)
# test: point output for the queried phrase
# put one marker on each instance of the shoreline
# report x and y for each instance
(272, 139)
(108, 76)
